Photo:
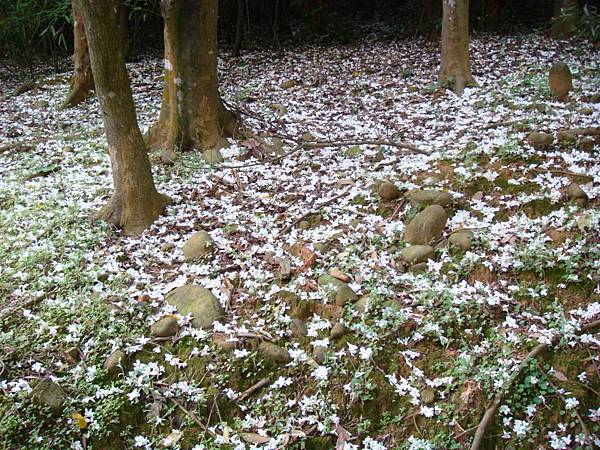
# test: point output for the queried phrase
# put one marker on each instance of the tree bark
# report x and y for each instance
(564, 21)
(135, 203)
(192, 113)
(82, 81)
(455, 67)
(239, 28)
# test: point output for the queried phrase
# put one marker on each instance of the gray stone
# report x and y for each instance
(419, 197)
(343, 293)
(586, 111)
(388, 191)
(199, 245)
(337, 331)
(274, 352)
(319, 354)
(429, 224)
(197, 301)
(41, 104)
(212, 156)
(298, 328)
(416, 254)
(586, 143)
(49, 394)
(574, 192)
(353, 151)
(595, 98)
(540, 141)
(115, 362)
(462, 239)
(165, 327)
(566, 137)
(560, 80)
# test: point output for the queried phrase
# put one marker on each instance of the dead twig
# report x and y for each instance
(312, 211)
(400, 144)
(192, 416)
(251, 390)
(491, 411)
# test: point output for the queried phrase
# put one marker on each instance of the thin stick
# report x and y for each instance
(311, 212)
(192, 416)
(400, 144)
(252, 389)
(490, 412)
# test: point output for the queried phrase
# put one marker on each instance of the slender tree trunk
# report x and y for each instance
(455, 67)
(239, 28)
(192, 114)
(135, 203)
(566, 16)
(82, 81)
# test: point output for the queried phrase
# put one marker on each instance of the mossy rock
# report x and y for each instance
(539, 207)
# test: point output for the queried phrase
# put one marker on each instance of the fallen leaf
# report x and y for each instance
(173, 438)
(254, 438)
(79, 420)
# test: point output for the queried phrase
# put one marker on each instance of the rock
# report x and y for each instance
(420, 267)
(539, 141)
(274, 352)
(462, 239)
(72, 355)
(419, 197)
(116, 362)
(281, 110)
(288, 84)
(308, 137)
(41, 104)
(560, 80)
(212, 156)
(68, 149)
(521, 127)
(222, 342)
(595, 98)
(388, 191)
(319, 354)
(343, 292)
(167, 246)
(49, 394)
(337, 331)
(298, 328)
(165, 327)
(337, 273)
(586, 111)
(477, 196)
(586, 143)
(426, 226)
(353, 151)
(199, 245)
(197, 301)
(428, 396)
(574, 192)
(416, 254)
(361, 304)
(566, 137)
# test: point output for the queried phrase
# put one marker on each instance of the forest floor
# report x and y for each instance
(418, 351)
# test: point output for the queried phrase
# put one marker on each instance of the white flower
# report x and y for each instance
(365, 353)
(321, 373)
(240, 353)
(521, 427)
(571, 403)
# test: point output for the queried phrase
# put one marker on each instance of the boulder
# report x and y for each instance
(574, 192)
(540, 141)
(388, 191)
(560, 80)
(462, 239)
(416, 254)
(49, 394)
(197, 301)
(274, 352)
(566, 137)
(343, 293)
(199, 245)
(165, 327)
(426, 226)
(116, 362)
(419, 197)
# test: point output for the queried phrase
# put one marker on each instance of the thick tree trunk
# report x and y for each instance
(135, 203)
(565, 18)
(82, 81)
(192, 114)
(429, 22)
(455, 67)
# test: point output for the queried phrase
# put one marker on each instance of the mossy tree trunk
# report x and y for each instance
(135, 203)
(455, 67)
(82, 81)
(192, 114)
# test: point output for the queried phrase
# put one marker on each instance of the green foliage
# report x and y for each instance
(589, 23)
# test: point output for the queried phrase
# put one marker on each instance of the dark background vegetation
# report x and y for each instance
(33, 28)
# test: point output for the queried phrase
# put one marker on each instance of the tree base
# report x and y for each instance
(135, 218)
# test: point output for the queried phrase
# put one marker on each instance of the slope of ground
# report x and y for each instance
(402, 356)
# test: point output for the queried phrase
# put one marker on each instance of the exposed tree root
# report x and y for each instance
(133, 218)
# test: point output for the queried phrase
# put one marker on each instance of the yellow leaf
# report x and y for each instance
(79, 420)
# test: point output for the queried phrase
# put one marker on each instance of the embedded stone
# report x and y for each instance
(462, 239)
(337, 331)
(419, 197)
(574, 192)
(298, 328)
(566, 137)
(429, 224)
(388, 191)
(539, 141)
(116, 362)
(165, 327)
(49, 394)
(343, 293)
(560, 80)
(416, 254)
(274, 352)
(212, 156)
(197, 301)
(199, 245)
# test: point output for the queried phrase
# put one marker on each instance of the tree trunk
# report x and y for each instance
(455, 67)
(239, 28)
(566, 16)
(192, 113)
(82, 81)
(135, 203)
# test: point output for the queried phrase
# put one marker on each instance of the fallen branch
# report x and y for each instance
(490, 412)
(192, 416)
(251, 390)
(312, 212)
